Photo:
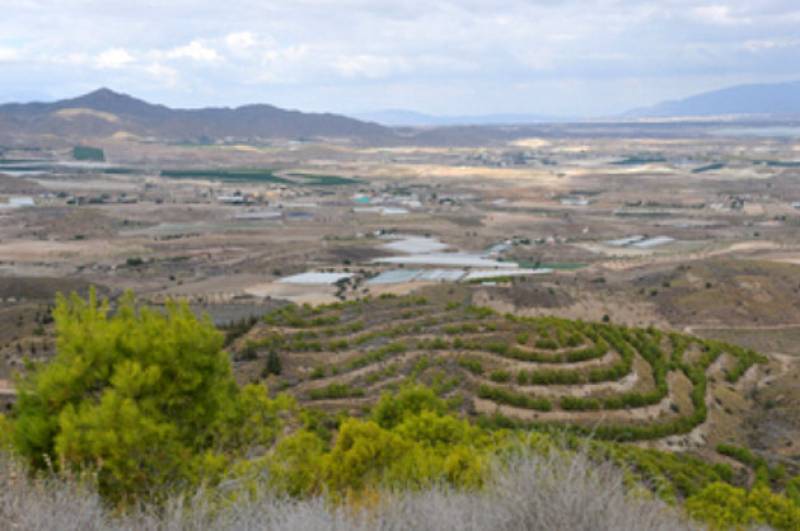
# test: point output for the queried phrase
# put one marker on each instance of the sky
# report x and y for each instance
(446, 57)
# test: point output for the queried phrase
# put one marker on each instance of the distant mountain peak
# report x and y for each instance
(772, 99)
(103, 92)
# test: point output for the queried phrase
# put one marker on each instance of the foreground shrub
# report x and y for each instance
(723, 506)
(410, 442)
(535, 493)
(145, 398)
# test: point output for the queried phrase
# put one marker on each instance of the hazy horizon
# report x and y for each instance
(450, 58)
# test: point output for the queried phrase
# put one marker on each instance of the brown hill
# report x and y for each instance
(103, 113)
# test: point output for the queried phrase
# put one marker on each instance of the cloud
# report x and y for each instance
(113, 58)
(761, 45)
(720, 14)
(9, 55)
(163, 74)
(196, 51)
(370, 66)
(458, 56)
(242, 40)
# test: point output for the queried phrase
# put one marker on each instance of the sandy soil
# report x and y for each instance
(6, 388)
(587, 306)
(37, 250)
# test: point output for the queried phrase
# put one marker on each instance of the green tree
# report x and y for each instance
(146, 398)
(273, 363)
(411, 400)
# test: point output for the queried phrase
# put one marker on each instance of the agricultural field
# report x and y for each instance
(615, 382)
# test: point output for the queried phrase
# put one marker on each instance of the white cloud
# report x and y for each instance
(196, 51)
(370, 66)
(163, 74)
(241, 41)
(459, 55)
(719, 14)
(75, 58)
(113, 58)
(9, 55)
(760, 45)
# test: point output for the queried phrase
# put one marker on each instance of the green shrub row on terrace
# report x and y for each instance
(503, 396)
(334, 391)
(552, 332)
(604, 337)
(635, 432)
(764, 473)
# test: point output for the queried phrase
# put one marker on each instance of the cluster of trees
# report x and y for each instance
(408, 441)
(724, 506)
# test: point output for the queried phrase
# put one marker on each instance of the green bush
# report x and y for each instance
(500, 376)
(335, 391)
(273, 363)
(472, 365)
(145, 398)
(723, 506)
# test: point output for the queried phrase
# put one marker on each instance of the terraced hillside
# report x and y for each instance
(615, 382)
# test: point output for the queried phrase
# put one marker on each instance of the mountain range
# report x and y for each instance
(104, 113)
(777, 100)
(774, 99)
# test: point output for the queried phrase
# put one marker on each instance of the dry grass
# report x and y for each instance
(535, 493)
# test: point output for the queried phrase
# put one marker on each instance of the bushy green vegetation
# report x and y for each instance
(472, 365)
(724, 506)
(145, 398)
(335, 390)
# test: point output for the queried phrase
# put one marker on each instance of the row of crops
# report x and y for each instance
(509, 371)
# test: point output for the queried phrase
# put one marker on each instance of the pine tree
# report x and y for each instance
(273, 363)
(145, 398)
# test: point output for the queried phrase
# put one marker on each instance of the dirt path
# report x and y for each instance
(690, 329)
(785, 363)
(7, 389)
